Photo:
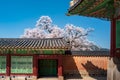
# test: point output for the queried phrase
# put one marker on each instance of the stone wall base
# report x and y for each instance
(60, 77)
(7, 78)
(34, 78)
(19, 78)
(113, 72)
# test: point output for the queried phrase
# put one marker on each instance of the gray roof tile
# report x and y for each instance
(30, 43)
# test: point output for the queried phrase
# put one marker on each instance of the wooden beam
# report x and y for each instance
(113, 38)
(100, 6)
(8, 65)
(35, 70)
(60, 67)
(99, 11)
(118, 17)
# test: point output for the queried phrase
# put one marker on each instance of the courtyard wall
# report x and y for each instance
(85, 63)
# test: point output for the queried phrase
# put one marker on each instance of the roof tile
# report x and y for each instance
(30, 43)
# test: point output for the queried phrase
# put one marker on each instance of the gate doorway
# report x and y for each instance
(47, 67)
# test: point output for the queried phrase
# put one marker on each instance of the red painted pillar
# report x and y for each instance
(113, 37)
(35, 65)
(8, 65)
(60, 67)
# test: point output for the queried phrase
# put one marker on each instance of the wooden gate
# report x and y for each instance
(47, 67)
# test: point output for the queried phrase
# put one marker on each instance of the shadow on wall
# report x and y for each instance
(94, 71)
(70, 69)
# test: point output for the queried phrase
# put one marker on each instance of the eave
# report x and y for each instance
(103, 9)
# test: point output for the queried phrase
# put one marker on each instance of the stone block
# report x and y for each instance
(2, 78)
(7, 78)
(34, 78)
(60, 78)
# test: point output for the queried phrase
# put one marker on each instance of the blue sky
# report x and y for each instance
(16, 15)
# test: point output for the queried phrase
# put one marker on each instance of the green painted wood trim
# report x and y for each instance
(108, 4)
(47, 51)
(21, 51)
(53, 52)
(48, 67)
(22, 64)
(2, 64)
(60, 52)
(85, 6)
(32, 51)
(82, 7)
(118, 34)
(100, 6)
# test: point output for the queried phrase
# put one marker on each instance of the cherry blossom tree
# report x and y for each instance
(75, 36)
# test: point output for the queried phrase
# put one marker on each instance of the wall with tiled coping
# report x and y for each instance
(83, 63)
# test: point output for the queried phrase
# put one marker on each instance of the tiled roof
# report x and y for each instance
(90, 53)
(29, 43)
(104, 9)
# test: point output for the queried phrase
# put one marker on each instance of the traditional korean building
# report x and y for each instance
(34, 58)
(106, 10)
(31, 57)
